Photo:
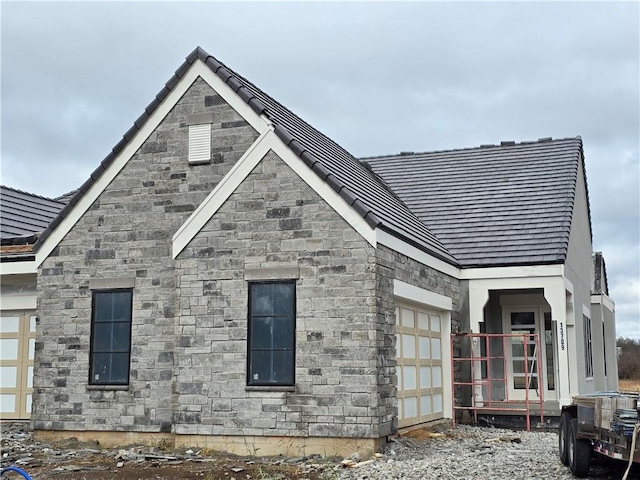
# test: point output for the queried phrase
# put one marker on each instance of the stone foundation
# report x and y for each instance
(234, 444)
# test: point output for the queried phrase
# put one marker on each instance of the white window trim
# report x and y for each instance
(421, 296)
(588, 346)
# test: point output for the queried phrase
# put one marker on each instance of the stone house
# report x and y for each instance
(230, 277)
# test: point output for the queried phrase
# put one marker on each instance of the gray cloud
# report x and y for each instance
(376, 77)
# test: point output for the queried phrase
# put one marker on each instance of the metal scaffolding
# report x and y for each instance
(482, 357)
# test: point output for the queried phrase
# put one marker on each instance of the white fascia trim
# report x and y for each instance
(259, 122)
(198, 69)
(608, 302)
(328, 194)
(420, 295)
(416, 254)
(506, 283)
(568, 286)
(603, 300)
(18, 268)
(243, 167)
(512, 272)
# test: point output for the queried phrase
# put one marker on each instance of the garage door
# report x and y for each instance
(419, 364)
(17, 344)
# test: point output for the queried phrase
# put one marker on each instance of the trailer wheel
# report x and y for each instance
(579, 451)
(563, 437)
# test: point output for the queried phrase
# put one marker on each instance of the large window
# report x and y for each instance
(110, 337)
(588, 348)
(272, 315)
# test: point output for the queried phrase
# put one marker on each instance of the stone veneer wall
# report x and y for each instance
(127, 233)
(189, 327)
(275, 226)
(393, 265)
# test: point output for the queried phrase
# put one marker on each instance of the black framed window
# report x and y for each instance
(271, 338)
(588, 347)
(110, 337)
(604, 350)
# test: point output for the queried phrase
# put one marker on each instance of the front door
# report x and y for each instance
(524, 353)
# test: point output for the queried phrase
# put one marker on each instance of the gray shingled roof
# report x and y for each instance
(359, 187)
(23, 214)
(599, 275)
(509, 204)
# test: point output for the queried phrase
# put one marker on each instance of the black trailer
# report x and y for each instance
(605, 424)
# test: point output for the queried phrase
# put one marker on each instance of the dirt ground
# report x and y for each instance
(629, 385)
(74, 460)
(96, 467)
(215, 469)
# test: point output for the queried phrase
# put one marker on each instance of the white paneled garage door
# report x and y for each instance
(419, 369)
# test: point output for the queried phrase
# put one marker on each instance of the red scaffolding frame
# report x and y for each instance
(476, 359)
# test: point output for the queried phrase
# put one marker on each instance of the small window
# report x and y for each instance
(604, 350)
(271, 339)
(549, 341)
(588, 349)
(110, 337)
(200, 143)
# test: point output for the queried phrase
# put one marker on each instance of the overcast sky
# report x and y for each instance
(378, 78)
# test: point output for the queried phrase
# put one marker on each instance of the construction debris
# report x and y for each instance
(71, 456)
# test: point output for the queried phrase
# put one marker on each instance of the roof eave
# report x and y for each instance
(449, 259)
(465, 266)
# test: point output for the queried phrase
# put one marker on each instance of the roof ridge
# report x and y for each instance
(503, 144)
(202, 52)
(65, 197)
(31, 194)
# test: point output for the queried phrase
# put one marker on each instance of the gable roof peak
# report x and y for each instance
(355, 184)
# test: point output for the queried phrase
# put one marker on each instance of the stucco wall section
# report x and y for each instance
(127, 233)
(603, 324)
(275, 224)
(578, 271)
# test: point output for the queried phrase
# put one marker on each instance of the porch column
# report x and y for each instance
(478, 297)
(556, 296)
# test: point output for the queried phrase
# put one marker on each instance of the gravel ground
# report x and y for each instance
(478, 453)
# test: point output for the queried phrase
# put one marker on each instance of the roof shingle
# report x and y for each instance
(25, 214)
(510, 204)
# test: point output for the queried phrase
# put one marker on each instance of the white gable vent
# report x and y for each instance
(200, 143)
